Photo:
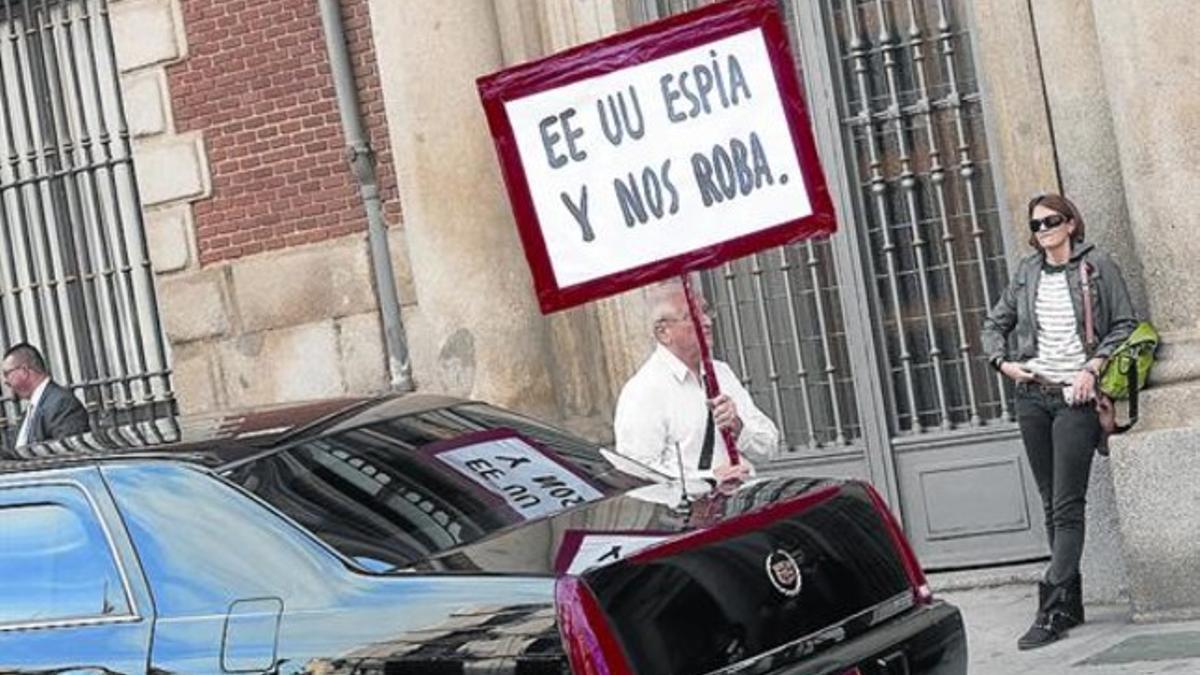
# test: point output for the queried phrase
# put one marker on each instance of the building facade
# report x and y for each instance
(936, 119)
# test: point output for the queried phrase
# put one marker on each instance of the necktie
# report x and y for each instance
(706, 448)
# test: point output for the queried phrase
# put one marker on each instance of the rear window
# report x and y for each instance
(391, 493)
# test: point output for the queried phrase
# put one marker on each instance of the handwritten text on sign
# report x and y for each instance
(656, 160)
(530, 483)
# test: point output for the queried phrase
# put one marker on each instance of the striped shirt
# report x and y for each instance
(1060, 353)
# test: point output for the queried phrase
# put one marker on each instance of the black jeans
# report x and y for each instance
(1059, 441)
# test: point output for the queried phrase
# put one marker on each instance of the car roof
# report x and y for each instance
(216, 439)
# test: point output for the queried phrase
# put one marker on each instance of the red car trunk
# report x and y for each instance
(752, 590)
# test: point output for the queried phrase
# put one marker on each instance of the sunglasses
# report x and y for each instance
(1048, 223)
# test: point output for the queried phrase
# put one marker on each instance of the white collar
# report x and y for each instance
(37, 393)
(674, 365)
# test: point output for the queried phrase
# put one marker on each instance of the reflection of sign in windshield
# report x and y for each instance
(583, 550)
(528, 479)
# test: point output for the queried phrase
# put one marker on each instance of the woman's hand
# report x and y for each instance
(1015, 372)
(1084, 385)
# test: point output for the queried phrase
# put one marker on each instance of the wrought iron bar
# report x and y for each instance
(46, 293)
(937, 177)
(139, 235)
(117, 285)
(878, 190)
(735, 316)
(75, 258)
(908, 186)
(101, 279)
(944, 103)
(760, 301)
(16, 291)
(813, 263)
(966, 169)
(785, 266)
(75, 274)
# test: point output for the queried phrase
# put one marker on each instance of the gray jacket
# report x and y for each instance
(1113, 316)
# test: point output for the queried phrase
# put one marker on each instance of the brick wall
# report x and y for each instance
(257, 84)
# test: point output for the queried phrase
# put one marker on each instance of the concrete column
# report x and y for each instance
(596, 347)
(1082, 125)
(1152, 79)
(475, 329)
(1020, 144)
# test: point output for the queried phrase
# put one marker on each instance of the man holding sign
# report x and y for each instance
(663, 418)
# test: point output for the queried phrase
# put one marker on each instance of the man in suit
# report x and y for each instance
(53, 411)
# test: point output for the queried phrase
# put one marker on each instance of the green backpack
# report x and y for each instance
(1123, 377)
(1125, 371)
(1134, 355)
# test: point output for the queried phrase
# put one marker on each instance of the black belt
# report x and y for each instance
(1048, 388)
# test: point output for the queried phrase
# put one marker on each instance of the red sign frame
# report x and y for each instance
(646, 43)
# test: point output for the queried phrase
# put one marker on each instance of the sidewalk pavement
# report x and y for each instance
(998, 607)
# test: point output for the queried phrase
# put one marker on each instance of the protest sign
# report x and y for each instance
(672, 147)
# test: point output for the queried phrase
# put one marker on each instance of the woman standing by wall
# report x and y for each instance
(1056, 372)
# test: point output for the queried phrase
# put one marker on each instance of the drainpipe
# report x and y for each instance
(362, 163)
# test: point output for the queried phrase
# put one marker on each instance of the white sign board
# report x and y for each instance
(675, 146)
(651, 162)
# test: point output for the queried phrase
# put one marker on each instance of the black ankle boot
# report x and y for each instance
(1073, 607)
(1051, 622)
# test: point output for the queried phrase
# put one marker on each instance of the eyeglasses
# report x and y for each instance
(1048, 223)
(687, 316)
(9, 371)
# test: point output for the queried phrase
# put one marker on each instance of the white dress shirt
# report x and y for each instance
(23, 433)
(663, 407)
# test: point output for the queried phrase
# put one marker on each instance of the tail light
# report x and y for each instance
(912, 567)
(591, 646)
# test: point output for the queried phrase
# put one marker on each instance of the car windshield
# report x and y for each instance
(394, 492)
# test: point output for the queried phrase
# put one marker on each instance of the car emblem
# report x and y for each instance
(784, 573)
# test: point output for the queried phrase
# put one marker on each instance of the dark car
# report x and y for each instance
(416, 534)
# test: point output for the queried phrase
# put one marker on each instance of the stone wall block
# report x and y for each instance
(196, 378)
(169, 237)
(303, 285)
(1106, 579)
(361, 354)
(401, 266)
(1158, 499)
(194, 306)
(145, 32)
(145, 100)
(293, 364)
(171, 169)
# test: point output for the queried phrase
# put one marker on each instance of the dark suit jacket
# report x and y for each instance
(58, 414)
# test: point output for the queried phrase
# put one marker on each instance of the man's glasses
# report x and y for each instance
(687, 316)
(1048, 223)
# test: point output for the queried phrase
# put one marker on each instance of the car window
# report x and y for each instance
(204, 544)
(55, 559)
(393, 492)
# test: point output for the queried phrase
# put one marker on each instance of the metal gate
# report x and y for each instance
(865, 346)
(75, 276)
